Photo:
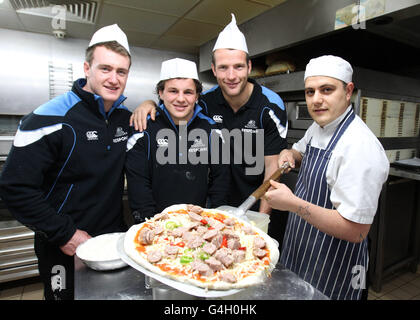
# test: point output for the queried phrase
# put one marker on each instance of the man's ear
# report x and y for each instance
(349, 90)
(213, 68)
(86, 68)
(249, 66)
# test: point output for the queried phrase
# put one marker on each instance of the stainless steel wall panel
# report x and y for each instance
(25, 57)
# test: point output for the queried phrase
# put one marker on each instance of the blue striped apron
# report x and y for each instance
(327, 263)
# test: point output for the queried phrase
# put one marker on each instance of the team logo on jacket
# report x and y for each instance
(198, 145)
(250, 127)
(92, 135)
(218, 118)
(163, 142)
(120, 135)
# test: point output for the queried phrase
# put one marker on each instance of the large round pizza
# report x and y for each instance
(207, 248)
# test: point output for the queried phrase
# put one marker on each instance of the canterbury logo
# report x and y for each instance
(162, 142)
(92, 135)
(218, 118)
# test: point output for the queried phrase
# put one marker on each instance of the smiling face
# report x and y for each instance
(327, 98)
(106, 75)
(231, 70)
(179, 96)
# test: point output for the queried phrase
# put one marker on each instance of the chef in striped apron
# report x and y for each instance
(342, 169)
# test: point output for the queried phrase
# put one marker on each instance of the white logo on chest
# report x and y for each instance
(92, 135)
(218, 118)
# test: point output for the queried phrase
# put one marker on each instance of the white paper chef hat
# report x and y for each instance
(178, 68)
(110, 33)
(330, 66)
(231, 38)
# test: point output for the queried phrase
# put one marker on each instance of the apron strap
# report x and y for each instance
(340, 129)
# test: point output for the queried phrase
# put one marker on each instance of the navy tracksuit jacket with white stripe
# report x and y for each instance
(65, 169)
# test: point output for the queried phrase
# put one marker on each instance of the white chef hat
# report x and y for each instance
(330, 66)
(110, 33)
(231, 38)
(178, 68)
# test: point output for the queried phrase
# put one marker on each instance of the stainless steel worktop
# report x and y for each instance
(129, 284)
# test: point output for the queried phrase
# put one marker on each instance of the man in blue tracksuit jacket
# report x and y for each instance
(153, 186)
(64, 174)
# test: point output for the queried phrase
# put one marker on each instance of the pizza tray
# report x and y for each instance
(184, 287)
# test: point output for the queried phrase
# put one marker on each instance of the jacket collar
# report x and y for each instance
(165, 112)
(94, 101)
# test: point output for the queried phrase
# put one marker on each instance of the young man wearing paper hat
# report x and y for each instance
(170, 162)
(239, 103)
(64, 174)
(342, 169)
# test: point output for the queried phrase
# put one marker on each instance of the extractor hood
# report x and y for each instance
(294, 23)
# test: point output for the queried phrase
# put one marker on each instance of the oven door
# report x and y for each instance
(299, 117)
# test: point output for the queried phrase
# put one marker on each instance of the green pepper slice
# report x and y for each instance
(171, 225)
(203, 255)
(186, 259)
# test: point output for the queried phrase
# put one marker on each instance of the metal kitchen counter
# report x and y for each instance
(129, 284)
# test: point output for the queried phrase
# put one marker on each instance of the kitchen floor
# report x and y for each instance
(403, 286)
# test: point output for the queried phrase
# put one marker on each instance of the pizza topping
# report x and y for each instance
(154, 256)
(214, 264)
(171, 250)
(259, 242)
(206, 246)
(248, 230)
(233, 243)
(161, 216)
(217, 241)
(158, 230)
(177, 232)
(171, 225)
(146, 236)
(210, 234)
(201, 230)
(229, 222)
(186, 259)
(239, 255)
(260, 253)
(224, 256)
(194, 216)
(228, 277)
(216, 224)
(203, 255)
(194, 209)
(209, 248)
(195, 241)
(202, 268)
(230, 234)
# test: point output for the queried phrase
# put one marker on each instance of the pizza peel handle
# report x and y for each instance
(257, 194)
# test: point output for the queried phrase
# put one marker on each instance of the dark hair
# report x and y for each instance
(161, 85)
(111, 45)
(213, 59)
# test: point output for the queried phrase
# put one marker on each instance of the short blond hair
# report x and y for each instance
(111, 45)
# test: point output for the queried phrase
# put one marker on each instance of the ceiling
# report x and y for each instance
(175, 25)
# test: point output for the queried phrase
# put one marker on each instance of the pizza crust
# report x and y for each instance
(251, 280)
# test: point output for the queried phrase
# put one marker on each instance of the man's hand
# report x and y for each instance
(279, 196)
(78, 238)
(139, 116)
(291, 156)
